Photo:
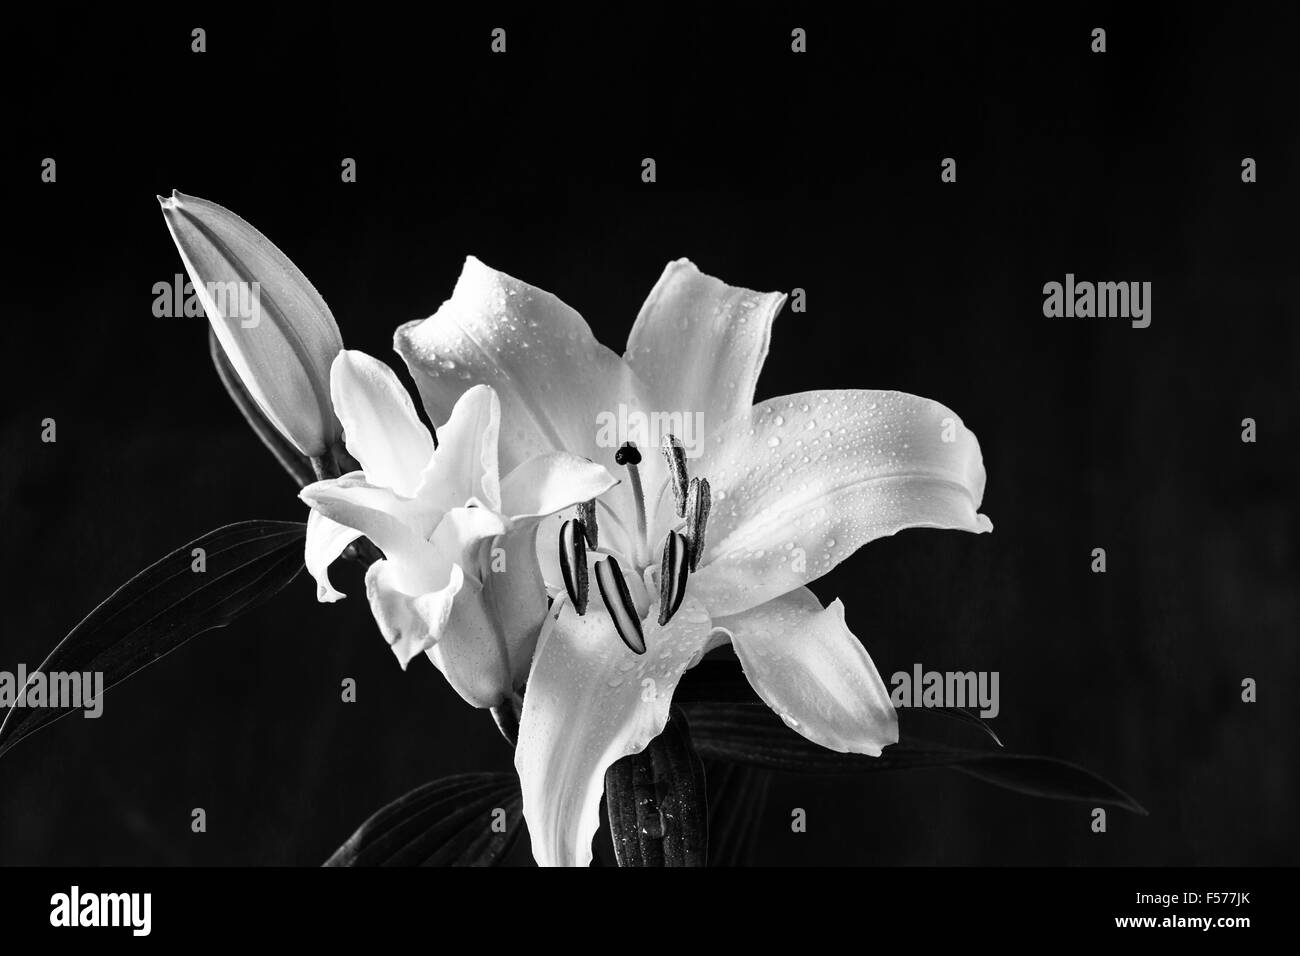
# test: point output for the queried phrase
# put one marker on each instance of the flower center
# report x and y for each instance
(681, 551)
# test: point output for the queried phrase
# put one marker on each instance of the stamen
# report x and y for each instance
(672, 576)
(618, 601)
(587, 515)
(698, 501)
(675, 455)
(573, 564)
(629, 456)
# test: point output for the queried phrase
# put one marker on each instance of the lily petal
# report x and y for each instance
(560, 389)
(469, 655)
(380, 426)
(808, 667)
(326, 540)
(460, 536)
(397, 525)
(591, 701)
(552, 482)
(551, 374)
(410, 622)
(548, 552)
(487, 647)
(515, 596)
(414, 612)
(805, 480)
(699, 344)
(465, 464)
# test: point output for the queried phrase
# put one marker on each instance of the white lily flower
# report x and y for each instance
(459, 579)
(271, 322)
(797, 485)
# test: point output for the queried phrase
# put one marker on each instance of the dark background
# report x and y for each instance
(775, 170)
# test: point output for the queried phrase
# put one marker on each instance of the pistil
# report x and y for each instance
(629, 457)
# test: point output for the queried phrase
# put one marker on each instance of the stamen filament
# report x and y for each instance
(643, 542)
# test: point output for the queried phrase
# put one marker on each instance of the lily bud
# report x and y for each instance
(272, 324)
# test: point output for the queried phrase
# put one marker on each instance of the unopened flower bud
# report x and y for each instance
(271, 322)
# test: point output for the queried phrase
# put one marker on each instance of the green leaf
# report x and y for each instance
(656, 802)
(168, 603)
(752, 735)
(468, 820)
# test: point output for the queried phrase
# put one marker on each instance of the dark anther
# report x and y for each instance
(675, 455)
(587, 515)
(573, 564)
(672, 576)
(618, 601)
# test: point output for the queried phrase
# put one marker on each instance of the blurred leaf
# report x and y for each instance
(165, 605)
(751, 734)
(468, 820)
(737, 797)
(656, 802)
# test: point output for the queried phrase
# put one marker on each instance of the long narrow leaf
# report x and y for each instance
(751, 735)
(165, 605)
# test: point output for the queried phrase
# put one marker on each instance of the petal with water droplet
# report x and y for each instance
(888, 461)
(695, 346)
(584, 709)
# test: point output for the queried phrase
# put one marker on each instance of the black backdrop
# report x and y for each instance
(775, 170)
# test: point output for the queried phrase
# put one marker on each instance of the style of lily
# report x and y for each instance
(686, 553)
(459, 579)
